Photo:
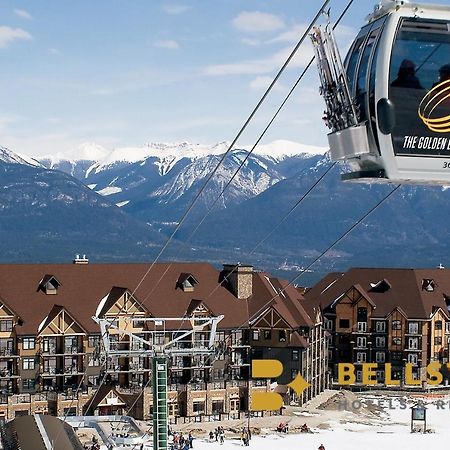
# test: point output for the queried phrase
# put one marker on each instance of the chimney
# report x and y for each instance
(240, 279)
(79, 260)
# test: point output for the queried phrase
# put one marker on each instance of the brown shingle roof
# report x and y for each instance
(405, 290)
(82, 287)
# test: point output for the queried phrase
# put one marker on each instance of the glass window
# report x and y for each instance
(396, 325)
(438, 340)
(6, 325)
(255, 335)
(282, 335)
(295, 355)
(267, 334)
(380, 357)
(93, 341)
(380, 327)
(344, 323)
(352, 59)
(438, 325)
(419, 80)
(413, 327)
(380, 342)
(361, 341)
(28, 363)
(396, 341)
(29, 384)
(28, 343)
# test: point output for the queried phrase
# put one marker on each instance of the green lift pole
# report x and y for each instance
(160, 418)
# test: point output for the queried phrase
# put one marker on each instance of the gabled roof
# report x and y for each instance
(57, 309)
(47, 278)
(186, 277)
(405, 291)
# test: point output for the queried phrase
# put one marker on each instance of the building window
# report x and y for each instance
(255, 335)
(344, 323)
(438, 325)
(380, 342)
(380, 357)
(413, 328)
(396, 341)
(295, 355)
(28, 343)
(413, 358)
(396, 325)
(29, 384)
(413, 343)
(93, 362)
(282, 335)
(267, 335)
(360, 357)
(380, 327)
(362, 314)
(92, 380)
(6, 325)
(361, 341)
(234, 404)
(328, 324)
(198, 407)
(173, 409)
(93, 341)
(359, 376)
(294, 373)
(447, 327)
(380, 376)
(362, 327)
(438, 340)
(28, 363)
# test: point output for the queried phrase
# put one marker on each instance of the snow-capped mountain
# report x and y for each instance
(146, 179)
(9, 157)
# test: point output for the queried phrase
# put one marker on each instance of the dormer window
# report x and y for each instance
(49, 285)
(187, 282)
(428, 285)
(380, 286)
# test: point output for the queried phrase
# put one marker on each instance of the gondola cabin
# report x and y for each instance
(388, 104)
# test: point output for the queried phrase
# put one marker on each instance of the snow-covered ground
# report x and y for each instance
(391, 429)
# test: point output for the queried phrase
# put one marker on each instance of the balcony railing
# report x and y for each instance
(7, 352)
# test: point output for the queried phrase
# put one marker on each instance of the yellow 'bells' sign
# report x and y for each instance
(347, 374)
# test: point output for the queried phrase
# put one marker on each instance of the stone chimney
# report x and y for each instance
(240, 279)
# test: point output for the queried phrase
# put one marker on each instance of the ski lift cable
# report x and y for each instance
(298, 201)
(292, 209)
(230, 147)
(299, 79)
(196, 198)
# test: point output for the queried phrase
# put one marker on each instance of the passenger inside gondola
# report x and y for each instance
(406, 76)
(444, 74)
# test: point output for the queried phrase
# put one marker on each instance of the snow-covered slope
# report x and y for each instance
(10, 157)
(159, 174)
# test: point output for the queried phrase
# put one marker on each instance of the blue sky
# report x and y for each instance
(126, 72)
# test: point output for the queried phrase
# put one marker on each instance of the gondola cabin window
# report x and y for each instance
(419, 87)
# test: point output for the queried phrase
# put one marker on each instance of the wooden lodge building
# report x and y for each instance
(50, 361)
(395, 316)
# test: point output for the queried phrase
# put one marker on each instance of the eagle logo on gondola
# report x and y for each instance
(429, 108)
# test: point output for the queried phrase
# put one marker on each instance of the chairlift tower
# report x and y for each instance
(160, 350)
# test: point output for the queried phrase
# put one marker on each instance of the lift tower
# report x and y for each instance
(168, 338)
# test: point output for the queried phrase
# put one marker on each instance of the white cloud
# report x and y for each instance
(251, 42)
(261, 66)
(9, 35)
(170, 44)
(256, 21)
(23, 14)
(54, 51)
(175, 9)
(261, 83)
